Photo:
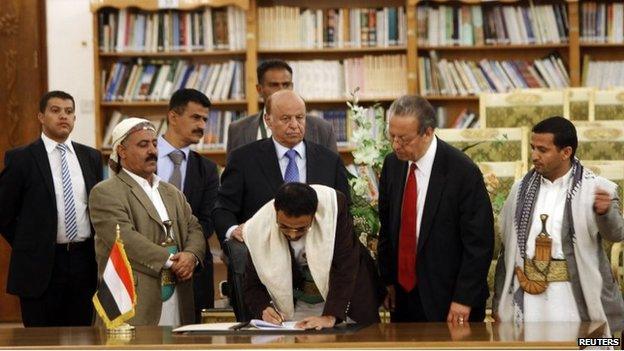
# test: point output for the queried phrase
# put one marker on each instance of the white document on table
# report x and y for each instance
(262, 325)
(205, 327)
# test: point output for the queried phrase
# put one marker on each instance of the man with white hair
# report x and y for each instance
(147, 211)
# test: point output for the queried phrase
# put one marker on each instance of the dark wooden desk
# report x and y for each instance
(426, 335)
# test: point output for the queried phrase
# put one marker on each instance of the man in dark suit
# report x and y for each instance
(275, 75)
(296, 234)
(437, 233)
(255, 171)
(193, 174)
(44, 189)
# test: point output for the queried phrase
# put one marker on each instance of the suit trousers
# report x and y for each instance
(203, 288)
(67, 300)
(408, 306)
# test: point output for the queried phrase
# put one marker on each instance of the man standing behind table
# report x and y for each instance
(192, 174)
(147, 211)
(437, 232)
(44, 189)
(276, 75)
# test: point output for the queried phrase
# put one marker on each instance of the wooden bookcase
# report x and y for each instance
(571, 52)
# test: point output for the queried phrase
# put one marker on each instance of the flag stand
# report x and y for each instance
(124, 329)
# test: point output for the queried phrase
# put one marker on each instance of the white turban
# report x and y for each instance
(123, 129)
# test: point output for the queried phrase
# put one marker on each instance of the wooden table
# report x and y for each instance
(423, 335)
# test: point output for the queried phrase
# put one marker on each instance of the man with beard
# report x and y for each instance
(194, 175)
(552, 267)
(147, 211)
(291, 272)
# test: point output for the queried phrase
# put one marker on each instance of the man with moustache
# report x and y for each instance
(192, 174)
(44, 217)
(141, 204)
(437, 232)
(581, 209)
(305, 263)
(255, 171)
(276, 75)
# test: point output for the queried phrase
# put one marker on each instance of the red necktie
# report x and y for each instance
(407, 237)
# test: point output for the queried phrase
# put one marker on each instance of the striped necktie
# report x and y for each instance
(71, 225)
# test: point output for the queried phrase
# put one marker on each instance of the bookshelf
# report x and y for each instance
(568, 48)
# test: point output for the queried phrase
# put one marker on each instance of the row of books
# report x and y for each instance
(602, 22)
(154, 80)
(603, 74)
(465, 119)
(467, 25)
(215, 132)
(339, 121)
(294, 27)
(333, 79)
(165, 31)
(463, 77)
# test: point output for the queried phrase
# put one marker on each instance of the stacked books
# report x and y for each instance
(281, 27)
(466, 25)
(375, 76)
(463, 77)
(170, 31)
(338, 120)
(602, 22)
(603, 74)
(156, 80)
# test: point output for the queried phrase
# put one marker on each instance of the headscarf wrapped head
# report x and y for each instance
(121, 132)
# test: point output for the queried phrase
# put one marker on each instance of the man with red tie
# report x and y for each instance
(437, 231)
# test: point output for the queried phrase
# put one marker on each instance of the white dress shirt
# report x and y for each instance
(170, 313)
(423, 174)
(557, 303)
(283, 163)
(165, 164)
(78, 186)
(300, 160)
(304, 309)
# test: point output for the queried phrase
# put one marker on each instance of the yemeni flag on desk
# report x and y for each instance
(115, 297)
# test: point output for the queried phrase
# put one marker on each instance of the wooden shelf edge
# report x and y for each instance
(344, 100)
(174, 54)
(494, 47)
(331, 50)
(153, 5)
(165, 103)
(451, 98)
(601, 45)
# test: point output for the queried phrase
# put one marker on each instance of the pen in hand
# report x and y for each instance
(281, 319)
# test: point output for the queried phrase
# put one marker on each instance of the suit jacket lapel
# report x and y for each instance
(251, 131)
(43, 162)
(437, 180)
(399, 178)
(140, 194)
(313, 174)
(192, 177)
(269, 164)
(83, 160)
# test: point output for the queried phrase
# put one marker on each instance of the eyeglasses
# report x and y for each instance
(297, 231)
(400, 140)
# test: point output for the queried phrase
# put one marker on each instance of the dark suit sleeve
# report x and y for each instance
(342, 183)
(386, 256)
(256, 296)
(345, 265)
(477, 236)
(229, 197)
(231, 135)
(11, 184)
(210, 187)
(98, 166)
